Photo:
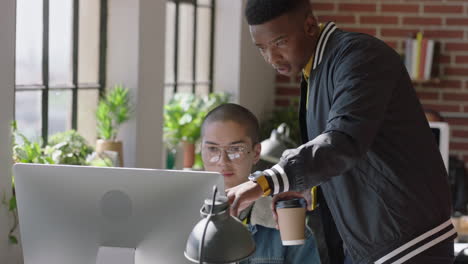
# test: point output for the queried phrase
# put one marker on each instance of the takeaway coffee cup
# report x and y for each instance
(291, 221)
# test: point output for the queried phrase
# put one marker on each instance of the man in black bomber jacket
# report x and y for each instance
(367, 144)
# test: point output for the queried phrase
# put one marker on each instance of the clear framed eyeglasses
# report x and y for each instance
(211, 154)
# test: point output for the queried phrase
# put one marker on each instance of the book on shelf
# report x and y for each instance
(421, 56)
(422, 60)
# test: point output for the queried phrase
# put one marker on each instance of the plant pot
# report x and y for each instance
(171, 158)
(110, 145)
(189, 154)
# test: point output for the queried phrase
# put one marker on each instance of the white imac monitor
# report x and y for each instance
(441, 131)
(89, 215)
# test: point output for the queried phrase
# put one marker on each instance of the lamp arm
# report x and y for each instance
(202, 244)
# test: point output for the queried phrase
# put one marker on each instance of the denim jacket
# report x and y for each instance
(269, 249)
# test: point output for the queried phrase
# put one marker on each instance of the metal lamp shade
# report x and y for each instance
(272, 148)
(226, 239)
(279, 141)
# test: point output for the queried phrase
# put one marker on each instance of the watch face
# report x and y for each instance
(253, 177)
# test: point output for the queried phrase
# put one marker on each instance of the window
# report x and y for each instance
(189, 46)
(60, 65)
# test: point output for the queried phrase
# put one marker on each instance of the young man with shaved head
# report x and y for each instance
(366, 142)
(230, 146)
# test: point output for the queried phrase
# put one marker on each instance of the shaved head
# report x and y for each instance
(237, 114)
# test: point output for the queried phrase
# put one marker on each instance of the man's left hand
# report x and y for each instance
(290, 195)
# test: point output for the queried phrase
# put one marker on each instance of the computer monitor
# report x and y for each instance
(67, 213)
(441, 131)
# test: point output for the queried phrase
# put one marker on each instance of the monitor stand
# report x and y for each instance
(115, 255)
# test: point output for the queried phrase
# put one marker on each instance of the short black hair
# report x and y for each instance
(260, 11)
(237, 114)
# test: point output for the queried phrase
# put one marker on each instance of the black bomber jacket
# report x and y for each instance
(370, 149)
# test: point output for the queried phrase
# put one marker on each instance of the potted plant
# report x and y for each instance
(24, 151)
(27, 151)
(183, 116)
(113, 110)
(68, 147)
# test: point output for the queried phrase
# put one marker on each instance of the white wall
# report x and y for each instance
(239, 67)
(257, 82)
(227, 47)
(135, 57)
(8, 253)
(151, 84)
(122, 62)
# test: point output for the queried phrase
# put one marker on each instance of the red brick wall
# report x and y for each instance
(392, 21)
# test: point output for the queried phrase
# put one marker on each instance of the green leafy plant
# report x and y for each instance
(184, 114)
(288, 115)
(27, 151)
(63, 148)
(113, 110)
(12, 209)
(101, 161)
(24, 151)
(68, 147)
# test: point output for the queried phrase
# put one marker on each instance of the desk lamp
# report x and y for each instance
(273, 147)
(218, 237)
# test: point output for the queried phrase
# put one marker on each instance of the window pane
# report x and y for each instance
(29, 42)
(202, 89)
(60, 42)
(88, 61)
(60, 106)
(87, 104)
(185, 43)
(168, 93)
(203, 43)
(184, 88)
(170, 42)
(204, 2)
(28, 113)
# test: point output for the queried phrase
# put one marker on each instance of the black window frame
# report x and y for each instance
(76, 86)
(194, 81)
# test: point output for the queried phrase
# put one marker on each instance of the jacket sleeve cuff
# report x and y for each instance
(277, 179)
